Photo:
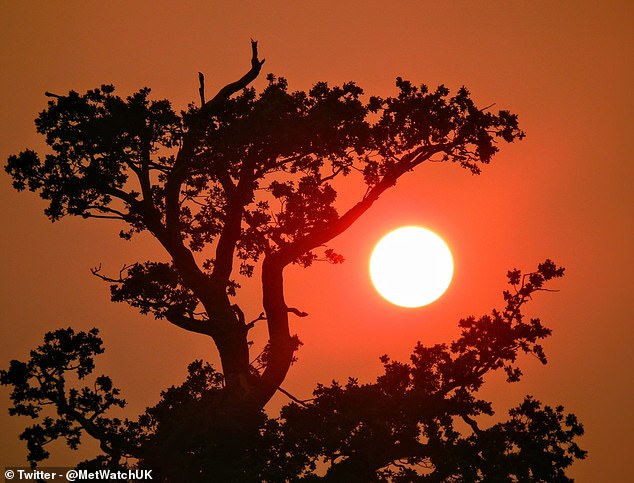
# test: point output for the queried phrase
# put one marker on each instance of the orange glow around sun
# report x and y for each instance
(411, 267)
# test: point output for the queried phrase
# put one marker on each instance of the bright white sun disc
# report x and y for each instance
(411, 266)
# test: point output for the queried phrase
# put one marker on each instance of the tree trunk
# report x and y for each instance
(230, 337)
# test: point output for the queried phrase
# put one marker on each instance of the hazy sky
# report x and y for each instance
(565, 192)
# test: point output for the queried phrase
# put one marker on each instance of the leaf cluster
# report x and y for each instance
(96, 140)
(41, 383)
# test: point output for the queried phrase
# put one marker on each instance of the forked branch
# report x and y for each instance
(232, 88)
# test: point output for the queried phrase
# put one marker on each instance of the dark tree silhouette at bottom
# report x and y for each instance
(420, 421)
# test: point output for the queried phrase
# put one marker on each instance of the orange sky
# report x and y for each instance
(565, 192)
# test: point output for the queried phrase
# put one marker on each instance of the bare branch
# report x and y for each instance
(97, 273)
(301, 402)
(334, 174)
(105, 209)
(103, 217)
(201, 89)
(297, 312)
(191, 324)
(238, 85)
(251, 324)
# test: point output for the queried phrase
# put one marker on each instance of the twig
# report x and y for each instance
(97, 273)
(251, 324)
(293, 398)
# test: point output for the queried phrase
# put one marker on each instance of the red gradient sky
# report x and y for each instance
(565, 192)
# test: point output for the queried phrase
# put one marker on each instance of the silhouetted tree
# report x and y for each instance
(248, 176)
(420, 421)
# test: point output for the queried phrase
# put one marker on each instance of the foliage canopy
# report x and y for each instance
(247, 178)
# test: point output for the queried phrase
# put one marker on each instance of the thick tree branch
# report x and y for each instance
(471, 422)
(292, 251)
(243, 192)
(150, 213)
(190, 324)
(223, 265)
(124, 196)
(281, 344)
(172, 239)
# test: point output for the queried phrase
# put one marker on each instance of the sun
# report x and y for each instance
(411, 266)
